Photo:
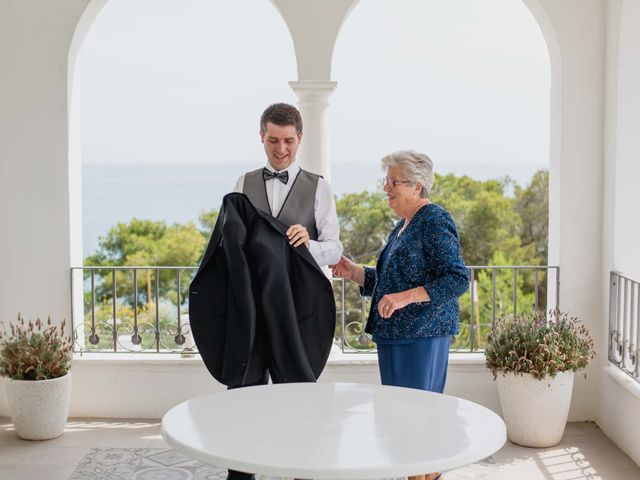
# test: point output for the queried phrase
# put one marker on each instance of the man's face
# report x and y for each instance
(280, 145)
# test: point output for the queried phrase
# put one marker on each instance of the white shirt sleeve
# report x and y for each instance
(327, 249)
(239, 186)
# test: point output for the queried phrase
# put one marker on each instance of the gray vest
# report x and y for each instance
(299, 205)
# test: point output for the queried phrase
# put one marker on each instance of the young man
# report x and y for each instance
(300, 199)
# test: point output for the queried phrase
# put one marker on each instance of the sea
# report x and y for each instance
(178, 192)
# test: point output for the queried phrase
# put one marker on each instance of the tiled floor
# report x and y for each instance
(134, 450)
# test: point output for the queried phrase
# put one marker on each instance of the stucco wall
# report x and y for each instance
(620, 395)
(34, 174)
(136, 387)
(577, 30)
(626, 162)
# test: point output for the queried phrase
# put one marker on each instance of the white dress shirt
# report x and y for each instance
(327, 249)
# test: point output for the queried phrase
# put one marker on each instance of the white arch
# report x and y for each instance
(74, 131)
(219, 35)
(555, 124)
(314, 28)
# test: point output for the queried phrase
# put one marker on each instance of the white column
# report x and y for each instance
(313, 101)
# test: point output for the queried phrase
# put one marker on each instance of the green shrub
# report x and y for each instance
(34, 351)
(540, 345)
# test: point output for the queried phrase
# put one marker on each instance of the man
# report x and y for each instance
(296, 197)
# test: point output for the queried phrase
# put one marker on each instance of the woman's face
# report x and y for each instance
(403, 198)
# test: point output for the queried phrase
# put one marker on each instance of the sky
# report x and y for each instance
(184, 81)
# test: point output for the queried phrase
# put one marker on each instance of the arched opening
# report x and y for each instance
(478, 93)
(161, 84)
(165, 101)
(470, 84)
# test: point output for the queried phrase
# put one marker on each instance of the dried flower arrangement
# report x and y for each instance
(35, 351)
(538, 344)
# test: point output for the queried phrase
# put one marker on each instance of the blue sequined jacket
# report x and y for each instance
(427, 254)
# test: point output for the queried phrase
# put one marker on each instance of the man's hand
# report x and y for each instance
(298, 235)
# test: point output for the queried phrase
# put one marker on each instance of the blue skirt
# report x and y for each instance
(420, 363)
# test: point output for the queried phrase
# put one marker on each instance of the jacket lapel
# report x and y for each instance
(301, 251)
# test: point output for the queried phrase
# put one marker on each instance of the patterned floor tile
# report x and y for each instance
(143, 464)
(159, 464)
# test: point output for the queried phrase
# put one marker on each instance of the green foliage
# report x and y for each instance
(487, 219)
(532, 204)
(181, 245)
(146, 242)
(365, 223)
(132, 243)
(208, 220)
(34, 351)
(495, 228)
(149, 242)
(532, 343)
(499, 223)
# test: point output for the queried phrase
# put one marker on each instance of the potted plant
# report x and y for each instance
(534, 357)
(36, 358)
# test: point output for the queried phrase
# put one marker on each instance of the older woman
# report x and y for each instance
(416, 283)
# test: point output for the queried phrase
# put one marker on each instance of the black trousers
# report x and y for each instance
(263, 374)
(234, 474)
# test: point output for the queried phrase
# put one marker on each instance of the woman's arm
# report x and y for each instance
(395, 301)
(451, 275)
(349, 270)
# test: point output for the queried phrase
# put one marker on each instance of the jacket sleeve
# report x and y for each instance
(370, 277)
(451, 275)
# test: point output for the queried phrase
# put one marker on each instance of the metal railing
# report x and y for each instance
(624, 324)
(131, 309)
(494, 292)
(145, 309)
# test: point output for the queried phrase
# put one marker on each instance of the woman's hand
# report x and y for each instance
(349, 270)
(395, 301)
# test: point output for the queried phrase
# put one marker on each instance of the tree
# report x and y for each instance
(146, 243)
(495, 228)
(208, 221)
(532, 205)
(484, 215)
(365, 223)
(127, 242)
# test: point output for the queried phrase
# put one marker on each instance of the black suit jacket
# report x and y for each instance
(257, 303)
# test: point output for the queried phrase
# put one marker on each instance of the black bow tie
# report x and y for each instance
(268, 175)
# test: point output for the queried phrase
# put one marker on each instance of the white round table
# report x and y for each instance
(331, 431)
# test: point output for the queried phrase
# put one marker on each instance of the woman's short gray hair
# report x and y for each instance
(416, 167)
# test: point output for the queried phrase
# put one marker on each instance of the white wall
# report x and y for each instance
(136, 385)
(34, 176)
(575, 33)
(626, 161)
(620, 395)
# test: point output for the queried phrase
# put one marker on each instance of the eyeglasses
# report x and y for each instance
(392, 182)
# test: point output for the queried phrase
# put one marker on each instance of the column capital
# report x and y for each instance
(313, 102)
(313, 87)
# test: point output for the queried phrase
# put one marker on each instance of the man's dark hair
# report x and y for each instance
(283, 115)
